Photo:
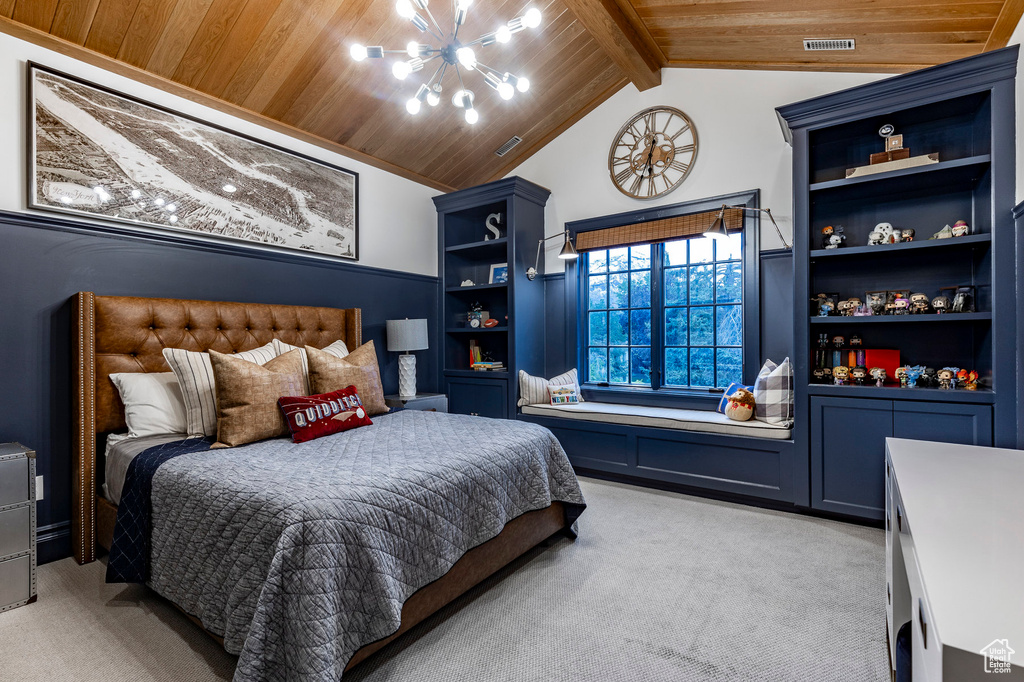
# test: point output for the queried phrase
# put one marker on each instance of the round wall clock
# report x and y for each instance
(653, 153)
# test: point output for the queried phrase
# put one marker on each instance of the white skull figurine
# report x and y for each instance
(886, 231)
(874, 238)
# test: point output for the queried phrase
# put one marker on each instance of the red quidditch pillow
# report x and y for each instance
(314, 416)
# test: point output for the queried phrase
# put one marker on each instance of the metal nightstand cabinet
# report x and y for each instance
(17, 526)
(426, 402)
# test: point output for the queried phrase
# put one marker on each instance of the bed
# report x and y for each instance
(395, 534)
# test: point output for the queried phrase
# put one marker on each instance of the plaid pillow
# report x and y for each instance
(728, 392)
(773, 393)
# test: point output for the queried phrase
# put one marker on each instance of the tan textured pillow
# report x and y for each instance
(359, 368)
(247, 396)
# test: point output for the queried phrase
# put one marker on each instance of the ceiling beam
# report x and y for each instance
(1005, 23)
(621, 39)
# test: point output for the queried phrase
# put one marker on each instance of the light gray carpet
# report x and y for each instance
(659, 586)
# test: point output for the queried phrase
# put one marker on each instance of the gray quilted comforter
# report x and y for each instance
(300, 554)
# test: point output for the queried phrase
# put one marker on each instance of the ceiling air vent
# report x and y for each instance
(829, 44)
(507, 147)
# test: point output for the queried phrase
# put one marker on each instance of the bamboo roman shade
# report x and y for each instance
(653, 231)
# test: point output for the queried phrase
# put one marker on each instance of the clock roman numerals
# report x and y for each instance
(646, 160)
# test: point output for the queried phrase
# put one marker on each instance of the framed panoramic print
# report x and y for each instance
(98, 153)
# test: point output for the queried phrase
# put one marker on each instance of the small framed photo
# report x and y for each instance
(499, 273)
(876, 301)
(961, 298)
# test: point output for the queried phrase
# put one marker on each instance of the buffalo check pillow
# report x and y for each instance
(773, 393)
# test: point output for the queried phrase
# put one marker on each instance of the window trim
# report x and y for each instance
(575, 291)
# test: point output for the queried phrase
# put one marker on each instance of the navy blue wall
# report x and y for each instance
(776, 294)
(44, 261)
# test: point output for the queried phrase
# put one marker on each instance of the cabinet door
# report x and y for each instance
(480, 397)
(848, 455)
(943, 422)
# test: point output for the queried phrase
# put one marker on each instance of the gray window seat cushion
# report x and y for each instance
(705, 421)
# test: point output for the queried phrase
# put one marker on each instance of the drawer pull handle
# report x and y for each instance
(922, 621)
(888, 593)
(899, 519)
(888, 522)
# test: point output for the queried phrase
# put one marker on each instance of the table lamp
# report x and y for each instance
(404, 336)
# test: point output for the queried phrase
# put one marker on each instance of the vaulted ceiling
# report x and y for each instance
(285, 63)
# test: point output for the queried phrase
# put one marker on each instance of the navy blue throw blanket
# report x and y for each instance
(129, 552)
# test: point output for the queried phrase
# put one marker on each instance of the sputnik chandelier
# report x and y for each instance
(452, 54)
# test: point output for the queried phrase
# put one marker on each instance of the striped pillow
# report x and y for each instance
(534, 390)
(195, 377)
(338, 349)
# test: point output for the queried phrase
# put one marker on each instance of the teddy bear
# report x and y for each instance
(740, 405)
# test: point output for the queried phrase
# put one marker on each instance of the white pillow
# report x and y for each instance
(153, 404)
(195, 377)
(338, 349)
(534, 390)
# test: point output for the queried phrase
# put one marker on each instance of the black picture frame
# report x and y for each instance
(297, 219)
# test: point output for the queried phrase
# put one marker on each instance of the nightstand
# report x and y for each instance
(426, 402)
(17, 526)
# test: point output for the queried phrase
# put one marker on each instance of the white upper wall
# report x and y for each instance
(1016, 39)
(741, 145)
(397, 220)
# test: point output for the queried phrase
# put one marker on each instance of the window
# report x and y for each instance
(685, 331)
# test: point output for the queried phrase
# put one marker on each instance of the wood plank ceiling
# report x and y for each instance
(286, 62)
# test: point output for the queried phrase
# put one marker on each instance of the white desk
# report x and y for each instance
(955, 555)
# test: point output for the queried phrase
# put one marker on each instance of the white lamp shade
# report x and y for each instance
(407, 335)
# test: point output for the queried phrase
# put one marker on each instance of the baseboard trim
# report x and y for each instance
(53, 542)
(735, 498)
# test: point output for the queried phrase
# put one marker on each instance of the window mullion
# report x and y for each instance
(657, 318)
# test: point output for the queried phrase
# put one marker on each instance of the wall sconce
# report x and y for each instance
(567, 252)
(718, 231)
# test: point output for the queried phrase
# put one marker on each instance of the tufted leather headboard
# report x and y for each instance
(128, 334)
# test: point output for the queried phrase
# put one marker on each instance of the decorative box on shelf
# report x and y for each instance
(17, 526)
(425, 402)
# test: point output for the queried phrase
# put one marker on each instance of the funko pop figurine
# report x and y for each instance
(901, 375)
(826, 234)
(855, 341)
(826, 304)
(850, 306)
(940, 304)
(963, 300)
(878, 374)
(859, 375)
(927, 378)
(819, 375)
(907, 235)
(970, 382)
(835, 241)
(919, 304)
(838, 341)
(828, 374)
(900, 306)
(845, 308)
(961, 228)
(884, 233)
(947, 377)
(823, 340)
(840, 375)
(876, 301)
(914, 376)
